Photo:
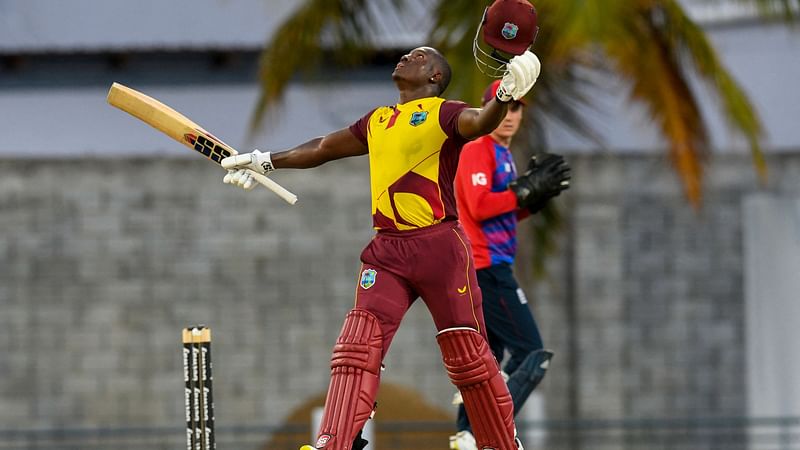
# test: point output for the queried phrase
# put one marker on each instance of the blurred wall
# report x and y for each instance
(103, 261)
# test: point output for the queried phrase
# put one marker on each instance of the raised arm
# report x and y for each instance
(521, 74)
(336, 145)
(476, 122)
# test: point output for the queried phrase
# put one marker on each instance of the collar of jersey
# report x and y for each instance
(423, 99)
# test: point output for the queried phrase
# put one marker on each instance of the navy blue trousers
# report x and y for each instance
(510, 324)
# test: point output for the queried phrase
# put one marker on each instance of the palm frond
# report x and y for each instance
(573, 26)
(452, 34)
(687, 38)
(647, 60)
(651, 45)
(341, 28)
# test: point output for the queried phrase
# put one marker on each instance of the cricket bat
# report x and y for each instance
(179, 127)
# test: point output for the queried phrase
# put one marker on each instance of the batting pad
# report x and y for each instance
(355, 376)
(474, 371)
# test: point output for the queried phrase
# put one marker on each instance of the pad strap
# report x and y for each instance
(355, 375)
(474, 371)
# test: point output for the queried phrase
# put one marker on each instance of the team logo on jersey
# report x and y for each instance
(418, 118)
(368, 278)
(510, 30)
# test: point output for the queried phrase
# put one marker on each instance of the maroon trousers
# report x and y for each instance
(434, 263)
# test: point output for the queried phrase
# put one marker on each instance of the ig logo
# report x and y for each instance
(479, 179)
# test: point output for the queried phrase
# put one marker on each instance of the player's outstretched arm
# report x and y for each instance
(317, 151)
(336, 145)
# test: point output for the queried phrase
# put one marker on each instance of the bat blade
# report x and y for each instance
(182, 129)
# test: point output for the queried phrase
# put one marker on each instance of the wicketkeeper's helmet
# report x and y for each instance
(507, 29)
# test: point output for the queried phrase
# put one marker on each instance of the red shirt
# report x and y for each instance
(486, 207)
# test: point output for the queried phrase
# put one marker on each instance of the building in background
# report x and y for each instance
(113, 237)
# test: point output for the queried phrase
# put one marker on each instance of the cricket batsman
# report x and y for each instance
(420, 250)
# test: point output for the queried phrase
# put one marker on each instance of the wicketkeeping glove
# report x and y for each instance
(521, 74)
(539, 205)
(542, 181)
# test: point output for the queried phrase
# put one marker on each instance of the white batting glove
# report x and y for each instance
(521, 73)
(241, 178)
(255, 160)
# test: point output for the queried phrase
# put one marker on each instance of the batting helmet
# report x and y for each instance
(508, 28)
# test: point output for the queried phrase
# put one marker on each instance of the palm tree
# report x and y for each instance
(652, 45)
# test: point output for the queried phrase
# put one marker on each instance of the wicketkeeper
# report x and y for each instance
(492, 198)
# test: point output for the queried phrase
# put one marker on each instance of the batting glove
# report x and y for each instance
(255, 160)
(241, 178)
(521, 74)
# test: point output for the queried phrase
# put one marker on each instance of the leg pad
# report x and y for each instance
(527, 376)
(355, 376)
(474, 371)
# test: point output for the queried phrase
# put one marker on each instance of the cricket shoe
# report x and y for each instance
(463, 440)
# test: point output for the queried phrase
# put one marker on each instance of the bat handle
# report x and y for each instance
(274, 187)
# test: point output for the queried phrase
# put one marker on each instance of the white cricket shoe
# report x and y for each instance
(463, 440)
